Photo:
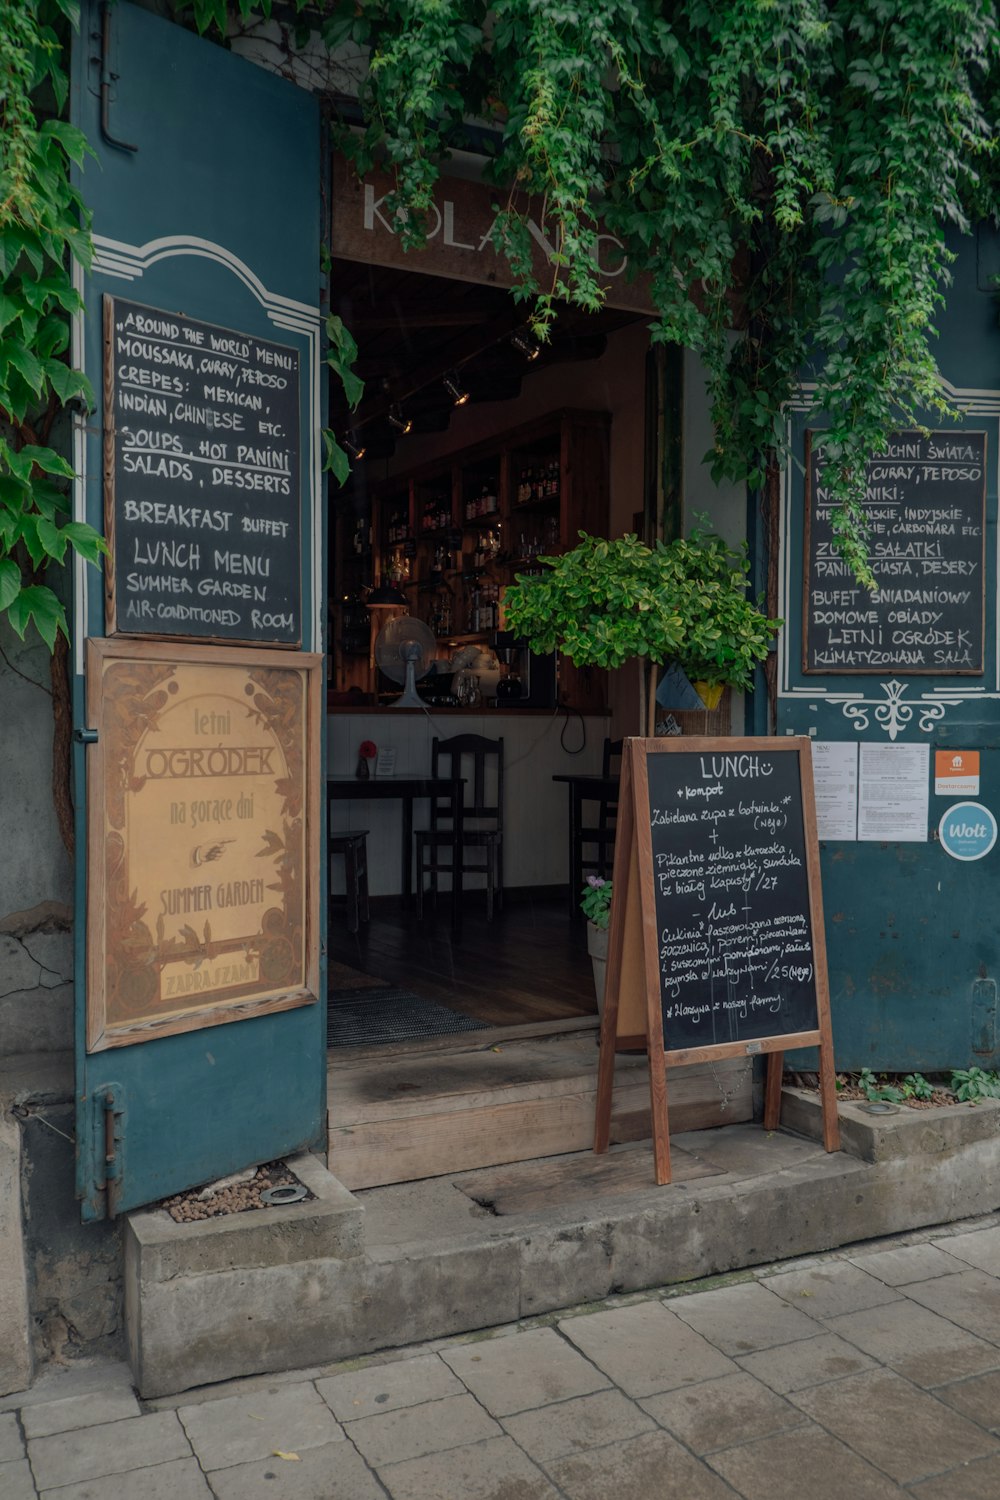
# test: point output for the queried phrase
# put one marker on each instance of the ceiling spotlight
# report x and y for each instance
(525, 343)
(355, 451)
(455, 389)
(398, 418)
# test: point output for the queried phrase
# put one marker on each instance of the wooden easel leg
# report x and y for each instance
(828, 1098)
(660, 1117)
(772, 1090)
(605, 1082)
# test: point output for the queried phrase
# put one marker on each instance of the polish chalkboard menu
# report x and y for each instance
(731, 896)
(716, 946)
(925, 504)
(202, 486)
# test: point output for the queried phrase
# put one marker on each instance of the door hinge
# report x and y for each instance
(107, 78)
(109, 1098)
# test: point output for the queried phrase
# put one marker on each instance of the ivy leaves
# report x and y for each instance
(43, 228)
(782, 173)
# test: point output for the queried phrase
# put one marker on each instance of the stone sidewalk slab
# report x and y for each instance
(16, 1482)
(79, 1411)
(719, 1413)
(793, 1367)
(573, 1426)
(334, 1472)
(651, 1467)
(395, 1436)
(979, 1248)
(973, 1481)
(908, 1263)
(405, 1382)
(109, 1448)
(239, 1429)
(895, 1426)
(917, 1343)
(181, 1479)
(742, 1319)
(521, 1370)
(494, 1470)
(977, 1398)
(646, 1348)
(830, 1290)
(971, 1299)
(11, 1443)
(807, 1464)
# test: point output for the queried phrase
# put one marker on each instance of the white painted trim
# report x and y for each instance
(81, 569)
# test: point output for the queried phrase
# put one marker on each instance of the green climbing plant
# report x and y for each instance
(44, 230)
(783, 175)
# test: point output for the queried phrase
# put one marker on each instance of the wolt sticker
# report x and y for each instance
(967, 831)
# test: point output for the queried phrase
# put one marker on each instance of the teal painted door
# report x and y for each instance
(912, 934)
(206, 205)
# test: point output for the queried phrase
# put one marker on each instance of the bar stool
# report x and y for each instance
(354, 847)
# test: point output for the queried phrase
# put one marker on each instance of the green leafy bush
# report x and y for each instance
(606, 602)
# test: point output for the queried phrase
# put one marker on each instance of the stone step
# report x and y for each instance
(399, 1117)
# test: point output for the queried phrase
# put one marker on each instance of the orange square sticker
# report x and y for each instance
(956, 773)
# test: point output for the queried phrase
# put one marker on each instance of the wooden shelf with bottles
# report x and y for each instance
(456, 531)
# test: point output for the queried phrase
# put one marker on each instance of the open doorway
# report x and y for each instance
(463, 1030)
(511, 452)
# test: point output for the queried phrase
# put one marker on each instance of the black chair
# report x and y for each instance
(480, 762)
(602, 834)
(354, 847)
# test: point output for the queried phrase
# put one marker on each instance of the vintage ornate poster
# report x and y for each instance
(204, 860)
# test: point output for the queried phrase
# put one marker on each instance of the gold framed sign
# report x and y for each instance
(203, 844)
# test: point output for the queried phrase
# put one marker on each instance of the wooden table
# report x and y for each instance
(407, 789)
(593, 788)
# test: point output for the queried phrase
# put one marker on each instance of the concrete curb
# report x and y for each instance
(194, 1329)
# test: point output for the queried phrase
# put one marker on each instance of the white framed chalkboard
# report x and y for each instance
(716, 947)
(202, 494)
(925, 505)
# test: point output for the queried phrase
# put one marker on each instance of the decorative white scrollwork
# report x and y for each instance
(894, 714)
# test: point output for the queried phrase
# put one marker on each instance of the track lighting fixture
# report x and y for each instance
(355, 451)
(398, 419)
(455, 389)
(525, 343)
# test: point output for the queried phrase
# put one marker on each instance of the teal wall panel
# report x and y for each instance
(911, 932)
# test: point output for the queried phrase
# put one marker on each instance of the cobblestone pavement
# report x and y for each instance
(870, 1372)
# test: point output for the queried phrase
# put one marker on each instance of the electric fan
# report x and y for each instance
(404, 651)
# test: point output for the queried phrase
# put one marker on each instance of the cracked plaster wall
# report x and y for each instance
(36, 877)
(71, 1273)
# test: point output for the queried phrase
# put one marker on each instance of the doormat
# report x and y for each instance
(367, 1017)
(342, 977)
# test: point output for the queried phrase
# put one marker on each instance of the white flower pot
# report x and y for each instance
(597, 947)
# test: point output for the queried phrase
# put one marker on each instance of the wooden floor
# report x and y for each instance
(529, 964)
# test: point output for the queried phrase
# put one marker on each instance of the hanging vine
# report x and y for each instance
(44, 228)
(783, 173)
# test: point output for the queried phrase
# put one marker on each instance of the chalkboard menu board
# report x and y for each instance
(202, 489)
(716, 947)
(731, 896)
(926, 510)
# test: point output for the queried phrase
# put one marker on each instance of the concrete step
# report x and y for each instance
(400, 1117)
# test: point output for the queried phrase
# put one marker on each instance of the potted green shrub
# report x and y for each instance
(606, 602)
(596, 905)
